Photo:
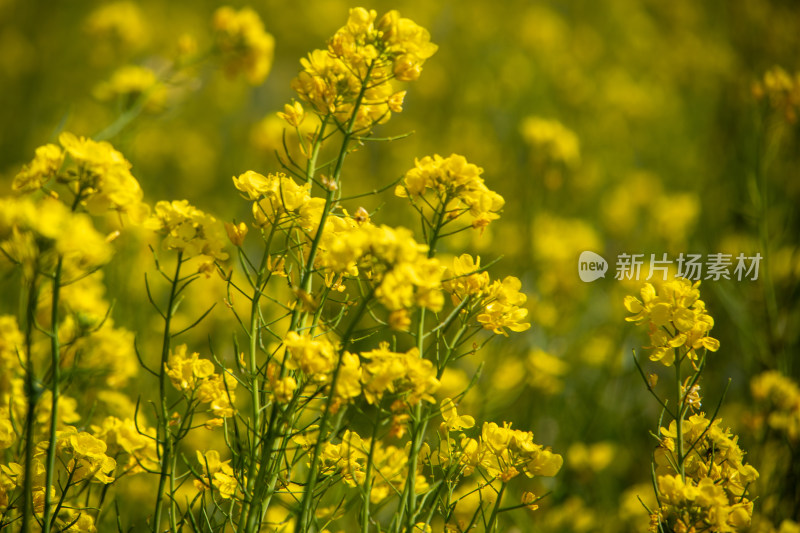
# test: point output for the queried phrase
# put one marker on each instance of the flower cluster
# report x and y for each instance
(498, 301)
(350, 457)
(714, 489)
(393, 372)
(354, 75)
(677, 319)
(127, 438)
(499, 453)
(99, 177)
(400, 267)
(382, 371)
(89, 458)
(315, 357)
(218, 475)
(781, 397)
(196, 378)
(244, 44)
(188, 230)
(277, 198)
(457, 185)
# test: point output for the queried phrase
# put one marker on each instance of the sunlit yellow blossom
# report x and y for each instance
(677, 318)
(293, 114)
(355, 73)
(134, 440)
(236, 232)
(186, 372)
(188, 230)
(456, 184)
(391, 372)
(465, 278)
(217, 474)
(89, 457)
(502, 307)
(102, 178)
(716, 475)
(315, 357)
(218, 391)
(452, 420)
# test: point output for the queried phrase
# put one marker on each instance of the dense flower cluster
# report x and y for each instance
(381, 372)
(218, 475)
(677, 318)
(355, 73)
(126, 438)
(188, 230)
(499, 453)
(713, 494)
(195, 377)
(99, 175)
(277, 198)
(499, 301)
(391, 372)
(399, 266)
(457, 185)
(244, 44)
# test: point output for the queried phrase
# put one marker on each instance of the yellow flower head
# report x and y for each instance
(244, 44)
(188, 230)
(677, 319)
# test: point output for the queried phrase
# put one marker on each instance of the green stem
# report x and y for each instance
(55, 362)
(163, 422)
(493, 517)
(255, 385)
(679, 419)
(303, 522)
(32, 396)
(368, 473)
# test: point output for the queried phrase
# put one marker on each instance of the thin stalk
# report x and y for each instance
(679, 419)
(255, 386)
(55, 361)
(166, 444)
(368, 473)
(32, 396)
(303, 521)
(493, 516)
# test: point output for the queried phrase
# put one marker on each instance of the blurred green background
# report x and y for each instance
(618, 127)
